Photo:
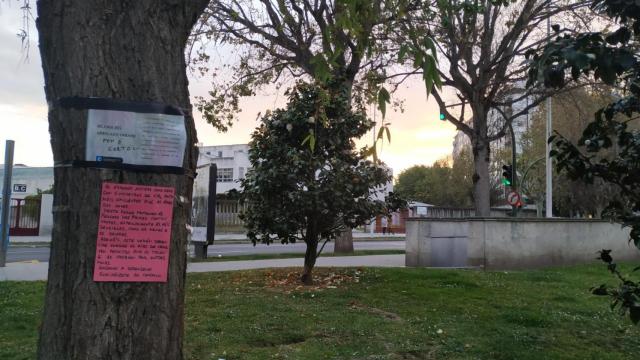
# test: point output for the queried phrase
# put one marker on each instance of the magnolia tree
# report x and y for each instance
(307, 180)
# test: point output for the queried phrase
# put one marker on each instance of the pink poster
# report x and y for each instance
(134, 233)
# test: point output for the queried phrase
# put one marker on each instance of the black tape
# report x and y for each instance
(128, 167)
(85, 103)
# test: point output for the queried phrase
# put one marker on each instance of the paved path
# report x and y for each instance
(32, 271)
(201, 232)
(41, 253)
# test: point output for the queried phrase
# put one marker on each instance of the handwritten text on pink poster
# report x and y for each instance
(134, 233)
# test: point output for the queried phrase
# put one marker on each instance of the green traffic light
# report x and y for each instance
(442, 117)
(506, 182)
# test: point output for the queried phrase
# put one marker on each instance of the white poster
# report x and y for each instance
(135, 138)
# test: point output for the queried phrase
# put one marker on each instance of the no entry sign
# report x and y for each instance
(513, 198)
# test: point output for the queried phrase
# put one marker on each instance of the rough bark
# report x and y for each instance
(481, 184)
(131, 50)
(310, 257)
(481, 158)
(344, 242)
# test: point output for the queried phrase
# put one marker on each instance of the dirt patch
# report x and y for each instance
(289, 281)
(355, 305)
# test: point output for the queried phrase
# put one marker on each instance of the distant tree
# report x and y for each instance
(572, 111)
(481, 46)
(462, 177)
(612, 58)
(441, 184)
(304, 188)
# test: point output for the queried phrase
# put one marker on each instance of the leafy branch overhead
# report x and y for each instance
(342, 42)
(612, 58)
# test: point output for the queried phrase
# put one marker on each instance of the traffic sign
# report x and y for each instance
(513, 198)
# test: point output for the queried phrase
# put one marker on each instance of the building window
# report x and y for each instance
(241, 173)
(225, 175)
(219, 153)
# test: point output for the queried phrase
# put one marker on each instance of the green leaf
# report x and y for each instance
(311, 138)
(383, 98)
(321, 69)
(402, 53)
(386, 128)
(372, 151)
(430, 74)
(431, 45)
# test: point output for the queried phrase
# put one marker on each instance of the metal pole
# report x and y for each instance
(514, 173)
(211, 204)
(549, 170)
(6, 201)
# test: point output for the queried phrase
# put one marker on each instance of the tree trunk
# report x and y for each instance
(344, 242)
(481, 179)
(131, 50)
(341, 86)
(309, 259)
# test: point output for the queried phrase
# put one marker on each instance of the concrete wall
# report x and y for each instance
(512, 244)
(46, 215)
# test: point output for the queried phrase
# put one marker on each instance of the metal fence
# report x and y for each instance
(227, 214)
(442, 212)
(24, 217)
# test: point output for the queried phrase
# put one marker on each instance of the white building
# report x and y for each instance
(27, 180)
(495, 122)
(232, 162)
(460, 142)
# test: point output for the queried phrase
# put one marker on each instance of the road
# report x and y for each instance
(16, 254)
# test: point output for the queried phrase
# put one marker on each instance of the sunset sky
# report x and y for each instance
(418, 137)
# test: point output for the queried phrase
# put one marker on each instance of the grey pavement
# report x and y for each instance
(32, 271)
(24, 271)
(199, 233)
(26, 252)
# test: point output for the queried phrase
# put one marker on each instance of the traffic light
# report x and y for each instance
(442, 117)
(507, 175)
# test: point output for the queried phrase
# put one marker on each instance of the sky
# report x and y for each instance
(418, 137)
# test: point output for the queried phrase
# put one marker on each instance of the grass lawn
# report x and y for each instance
(378, 314)
(214, 258)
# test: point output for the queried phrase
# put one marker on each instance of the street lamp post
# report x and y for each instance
(549, 170)
(6, 202)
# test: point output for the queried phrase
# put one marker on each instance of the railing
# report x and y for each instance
(227, 214)
(24, 217)
(442, 212)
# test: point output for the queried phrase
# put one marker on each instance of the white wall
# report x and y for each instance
(236, 157)
(513, 244)
(34, 177)
(46, 215)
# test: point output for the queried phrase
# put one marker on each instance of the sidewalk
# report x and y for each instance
(33, 271)
(200, 234)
